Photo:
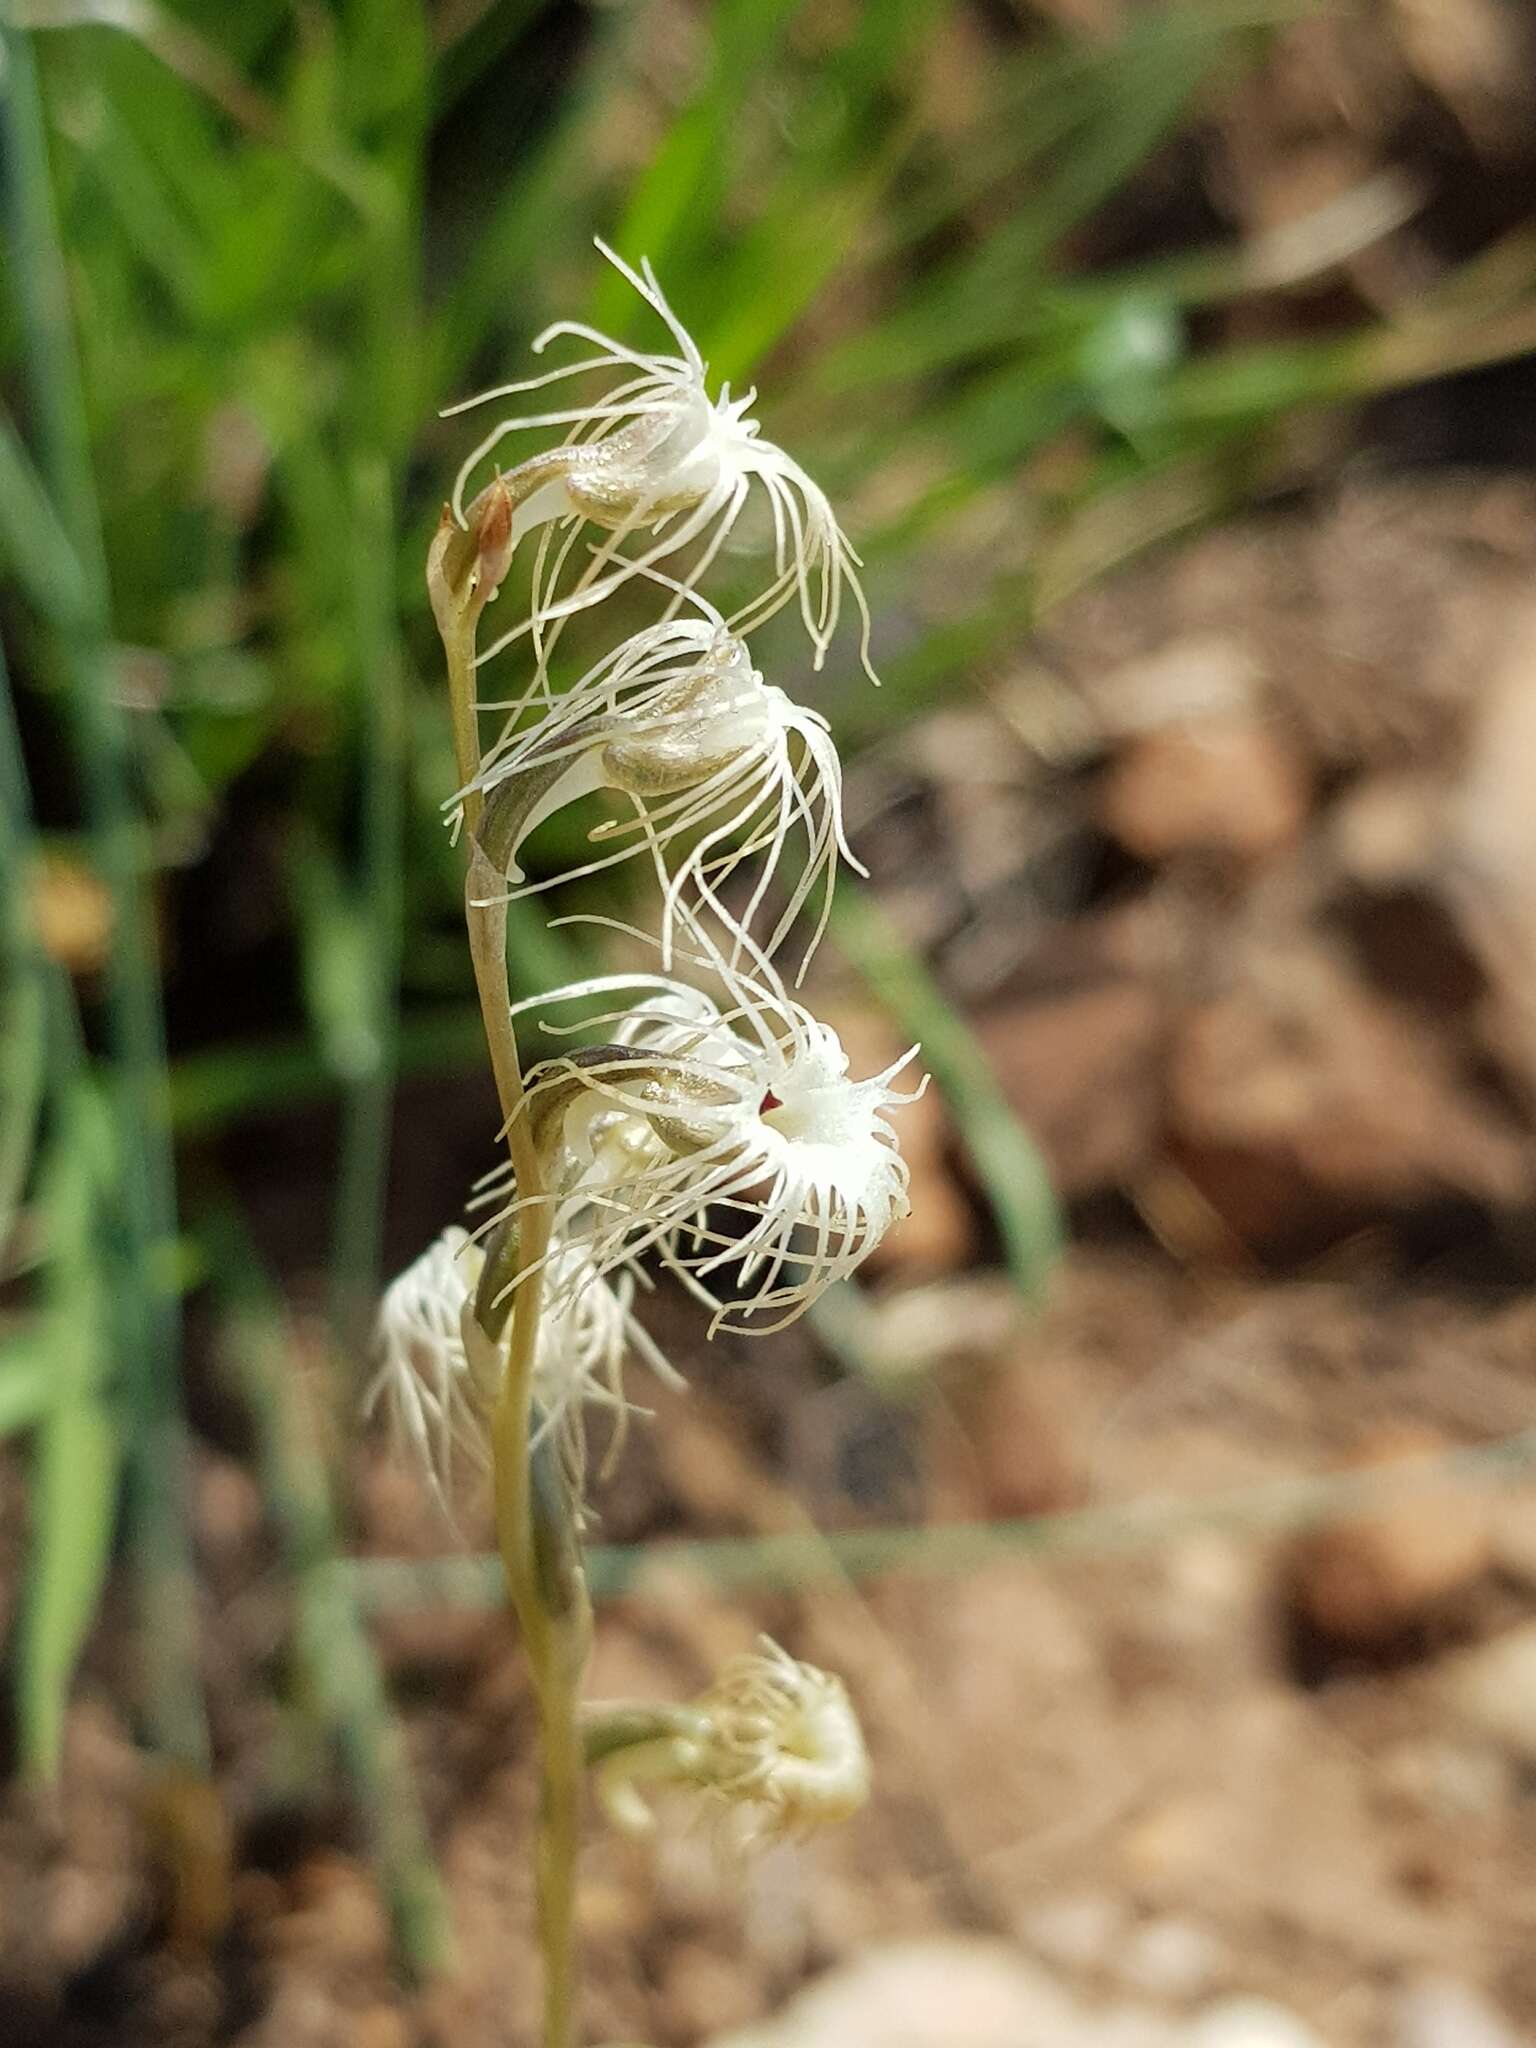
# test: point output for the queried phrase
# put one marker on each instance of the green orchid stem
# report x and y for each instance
(609, 1727)
(537, 1532)
(629, 1744)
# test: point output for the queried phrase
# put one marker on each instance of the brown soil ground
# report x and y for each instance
(1239, 880)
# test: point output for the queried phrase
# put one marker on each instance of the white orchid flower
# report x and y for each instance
(785, 1743)
(710, 756)
(423, 1383)
(439, 1405)
(657, 455)
(774, 1740)
(739, 1102)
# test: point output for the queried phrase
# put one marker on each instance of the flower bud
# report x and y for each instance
(468, 561)
(772, 1739)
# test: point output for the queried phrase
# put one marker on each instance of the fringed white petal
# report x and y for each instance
(710, 759)
(779, 1134)
(657, 454)
(439, 1412)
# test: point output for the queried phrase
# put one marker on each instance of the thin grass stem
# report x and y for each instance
(368, 1099)
(1006, 1157)
(795, 1559)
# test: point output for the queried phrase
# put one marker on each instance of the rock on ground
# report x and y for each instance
(949, 1993)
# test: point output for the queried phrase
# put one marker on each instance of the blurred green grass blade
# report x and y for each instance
(496, 300)
(33, 545)
(211, 1090)
(780, 272)
(199, 86)
(131, 188)
(23, 1072)
(161, 40)
(976, 301)
(674, 213)
(214, 1089)
(987, 431)
(470, 39)
(1215, 396)
(338, 1660)
(140, 1248)
(386, 70)
(1006, 1158)
(24, 993)
(492, 294)
(944, 659)
(1201, 440)
(993, 424)
(36, 279)
(1276, 260)
(377, 902)
(1116, 521)
(789, 1560)
(829, 190)
(76, 1462)
(317, 651)
(384, 116)
(337, 960)
(27, 1382)
(1037, 98)
(230, 235)
(76, 1451)
(1037, 95)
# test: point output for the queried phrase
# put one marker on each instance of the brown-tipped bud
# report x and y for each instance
(466, 564)
(490, 520)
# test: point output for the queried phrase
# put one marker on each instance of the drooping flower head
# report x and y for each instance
(738, 1102)
(711, 757)
(423, 1382)
(786, 1742)
(773, 1739)
(655, 455)
(438, 1391)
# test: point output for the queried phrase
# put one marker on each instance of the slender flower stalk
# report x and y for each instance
(537, 1527)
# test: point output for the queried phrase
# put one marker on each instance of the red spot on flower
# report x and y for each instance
(769, 1101)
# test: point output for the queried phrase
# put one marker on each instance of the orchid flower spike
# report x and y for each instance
(773, 1738)
(437, 1390)
(739, 1102)
(710, 757)
(657, 455)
